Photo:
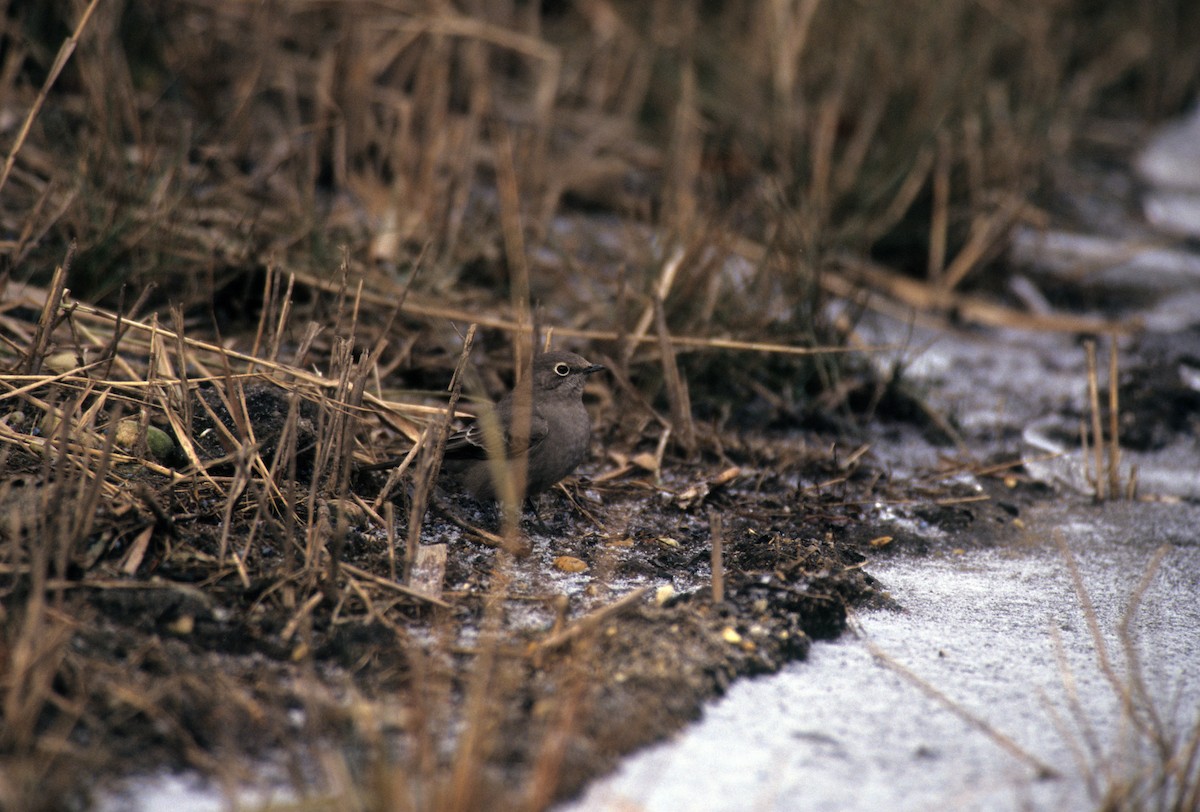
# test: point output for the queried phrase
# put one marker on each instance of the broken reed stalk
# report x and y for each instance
(686, 148)
(855, 272)
(294, 374)
(1099, 482)
(557, 736)
(280, 489)
(1151, 725)
(286, 455)
(89, 505)
(718, 557)
(677, 391)
(394, 477)
(39, 709)
(37, 636)
(1043, 769)
(510, 477)
(425, 310)
(268, 306)
(393, 586)
(182, 388)
(1089, 612)
(1173, 782)
(347, 408)
(482, 720)
(983, 239)
(60, 62)
(433, 444)
(1104, 453)
(592, 621)
(285, 311)
(1087, 751)
(666, 280)
(389, 527)
(1114, 423)
(939, 222)
(49, 316)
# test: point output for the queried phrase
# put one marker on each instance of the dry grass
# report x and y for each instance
(1155, 761)
(1103, 470)
(155, 484)
(264, 454)
(279, 136)
(210, 207)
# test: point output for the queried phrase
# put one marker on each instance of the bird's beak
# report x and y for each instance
(593, 369)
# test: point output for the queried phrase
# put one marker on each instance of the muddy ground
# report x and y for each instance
(514, 676)
(277, 634)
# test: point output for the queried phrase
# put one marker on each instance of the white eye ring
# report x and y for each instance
(562, 369)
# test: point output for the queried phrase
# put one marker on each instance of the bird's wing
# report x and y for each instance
(466, 444)
(471, 442)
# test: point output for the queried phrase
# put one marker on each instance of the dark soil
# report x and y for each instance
(547, 676)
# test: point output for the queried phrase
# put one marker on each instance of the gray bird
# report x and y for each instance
(558, 435)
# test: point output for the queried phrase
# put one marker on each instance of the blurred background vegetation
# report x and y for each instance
(189, 135)
(193, 143)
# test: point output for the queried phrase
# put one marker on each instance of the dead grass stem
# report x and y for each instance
(1155, 763)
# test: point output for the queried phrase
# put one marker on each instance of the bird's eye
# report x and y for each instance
(562, 369)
